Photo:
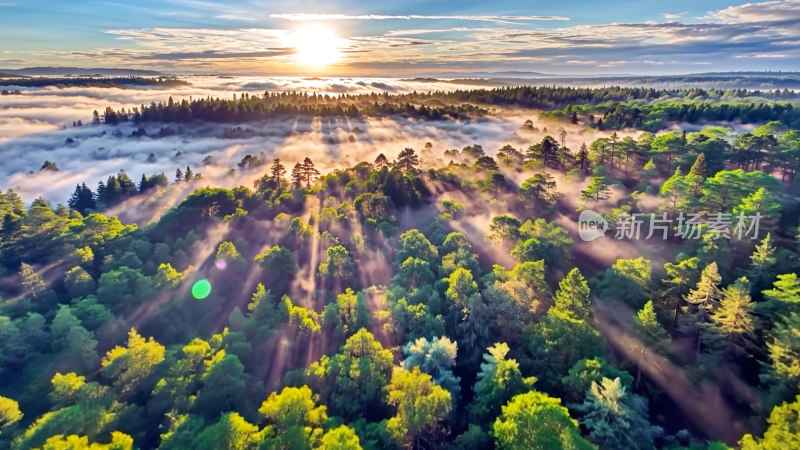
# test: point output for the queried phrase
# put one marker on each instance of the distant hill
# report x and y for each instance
(120, 82)
(78, 71)
(9, 75)
(504, 74)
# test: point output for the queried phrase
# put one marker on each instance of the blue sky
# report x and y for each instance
(404, 38)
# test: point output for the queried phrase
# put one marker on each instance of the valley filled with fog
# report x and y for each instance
(37, 126)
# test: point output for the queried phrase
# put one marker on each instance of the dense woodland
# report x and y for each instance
(611, 108)
(101, 82)
(369, 308)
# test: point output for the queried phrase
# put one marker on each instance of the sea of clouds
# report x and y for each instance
(35, 127)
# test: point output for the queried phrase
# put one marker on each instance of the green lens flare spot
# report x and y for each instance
(201, 289)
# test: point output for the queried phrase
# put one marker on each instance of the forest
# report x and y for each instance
(612, 108)
(100, 82)
(430, 298)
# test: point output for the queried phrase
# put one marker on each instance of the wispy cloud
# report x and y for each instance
(767, 32)
(671, 16)
(479, 18)
(775, 11)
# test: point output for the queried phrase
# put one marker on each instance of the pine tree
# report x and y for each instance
(308, 171)
(297, 175)
(733, 319)
(675, 190)
(680, 276)
(572, 296)
(616, 418)
(82, 200)
(703, 298)
(407, 159)
(784, 351)
(101, 193)
(697, 174)
(127, 188)
(762, 203)
(648, 328)
(761, 264)
(277, 172)
(612, 143)
(31, 281)
(178, 175)
(381, 161)
(783, 298)
(188, 176)
(596, 190)
(653, 336)
(143, 183)
(582, 159)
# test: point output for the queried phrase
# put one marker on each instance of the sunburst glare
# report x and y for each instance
(315, 45)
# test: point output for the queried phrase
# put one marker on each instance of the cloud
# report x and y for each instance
(477, 18)
(777, 11)
(497, 43)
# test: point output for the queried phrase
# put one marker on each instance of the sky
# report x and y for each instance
(402, 38)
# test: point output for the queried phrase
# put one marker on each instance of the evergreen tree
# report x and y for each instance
(653, 336)
(143, 183)
(545, 151)
(698, 175)
(762, 262)
(616, 418)
(127, 188)
(762, 203)
(596, 190)
(308, 171)
(408, 159)
(538, 190)
(277, 172)
(101, 193)
(681, 275)
(733, 319)
(675, 190)
(32, 282)
(436, 357)
(784, 352)
(572, 296)
(381, 161)
(783, 431)
(703, 298)
(82, 200)
(498, 381)
(297, 175)
(582, 159)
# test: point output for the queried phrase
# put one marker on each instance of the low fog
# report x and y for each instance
(37, 126)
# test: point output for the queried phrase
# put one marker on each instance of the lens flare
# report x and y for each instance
(201, 289)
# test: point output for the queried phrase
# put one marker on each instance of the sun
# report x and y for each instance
(315, 45)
